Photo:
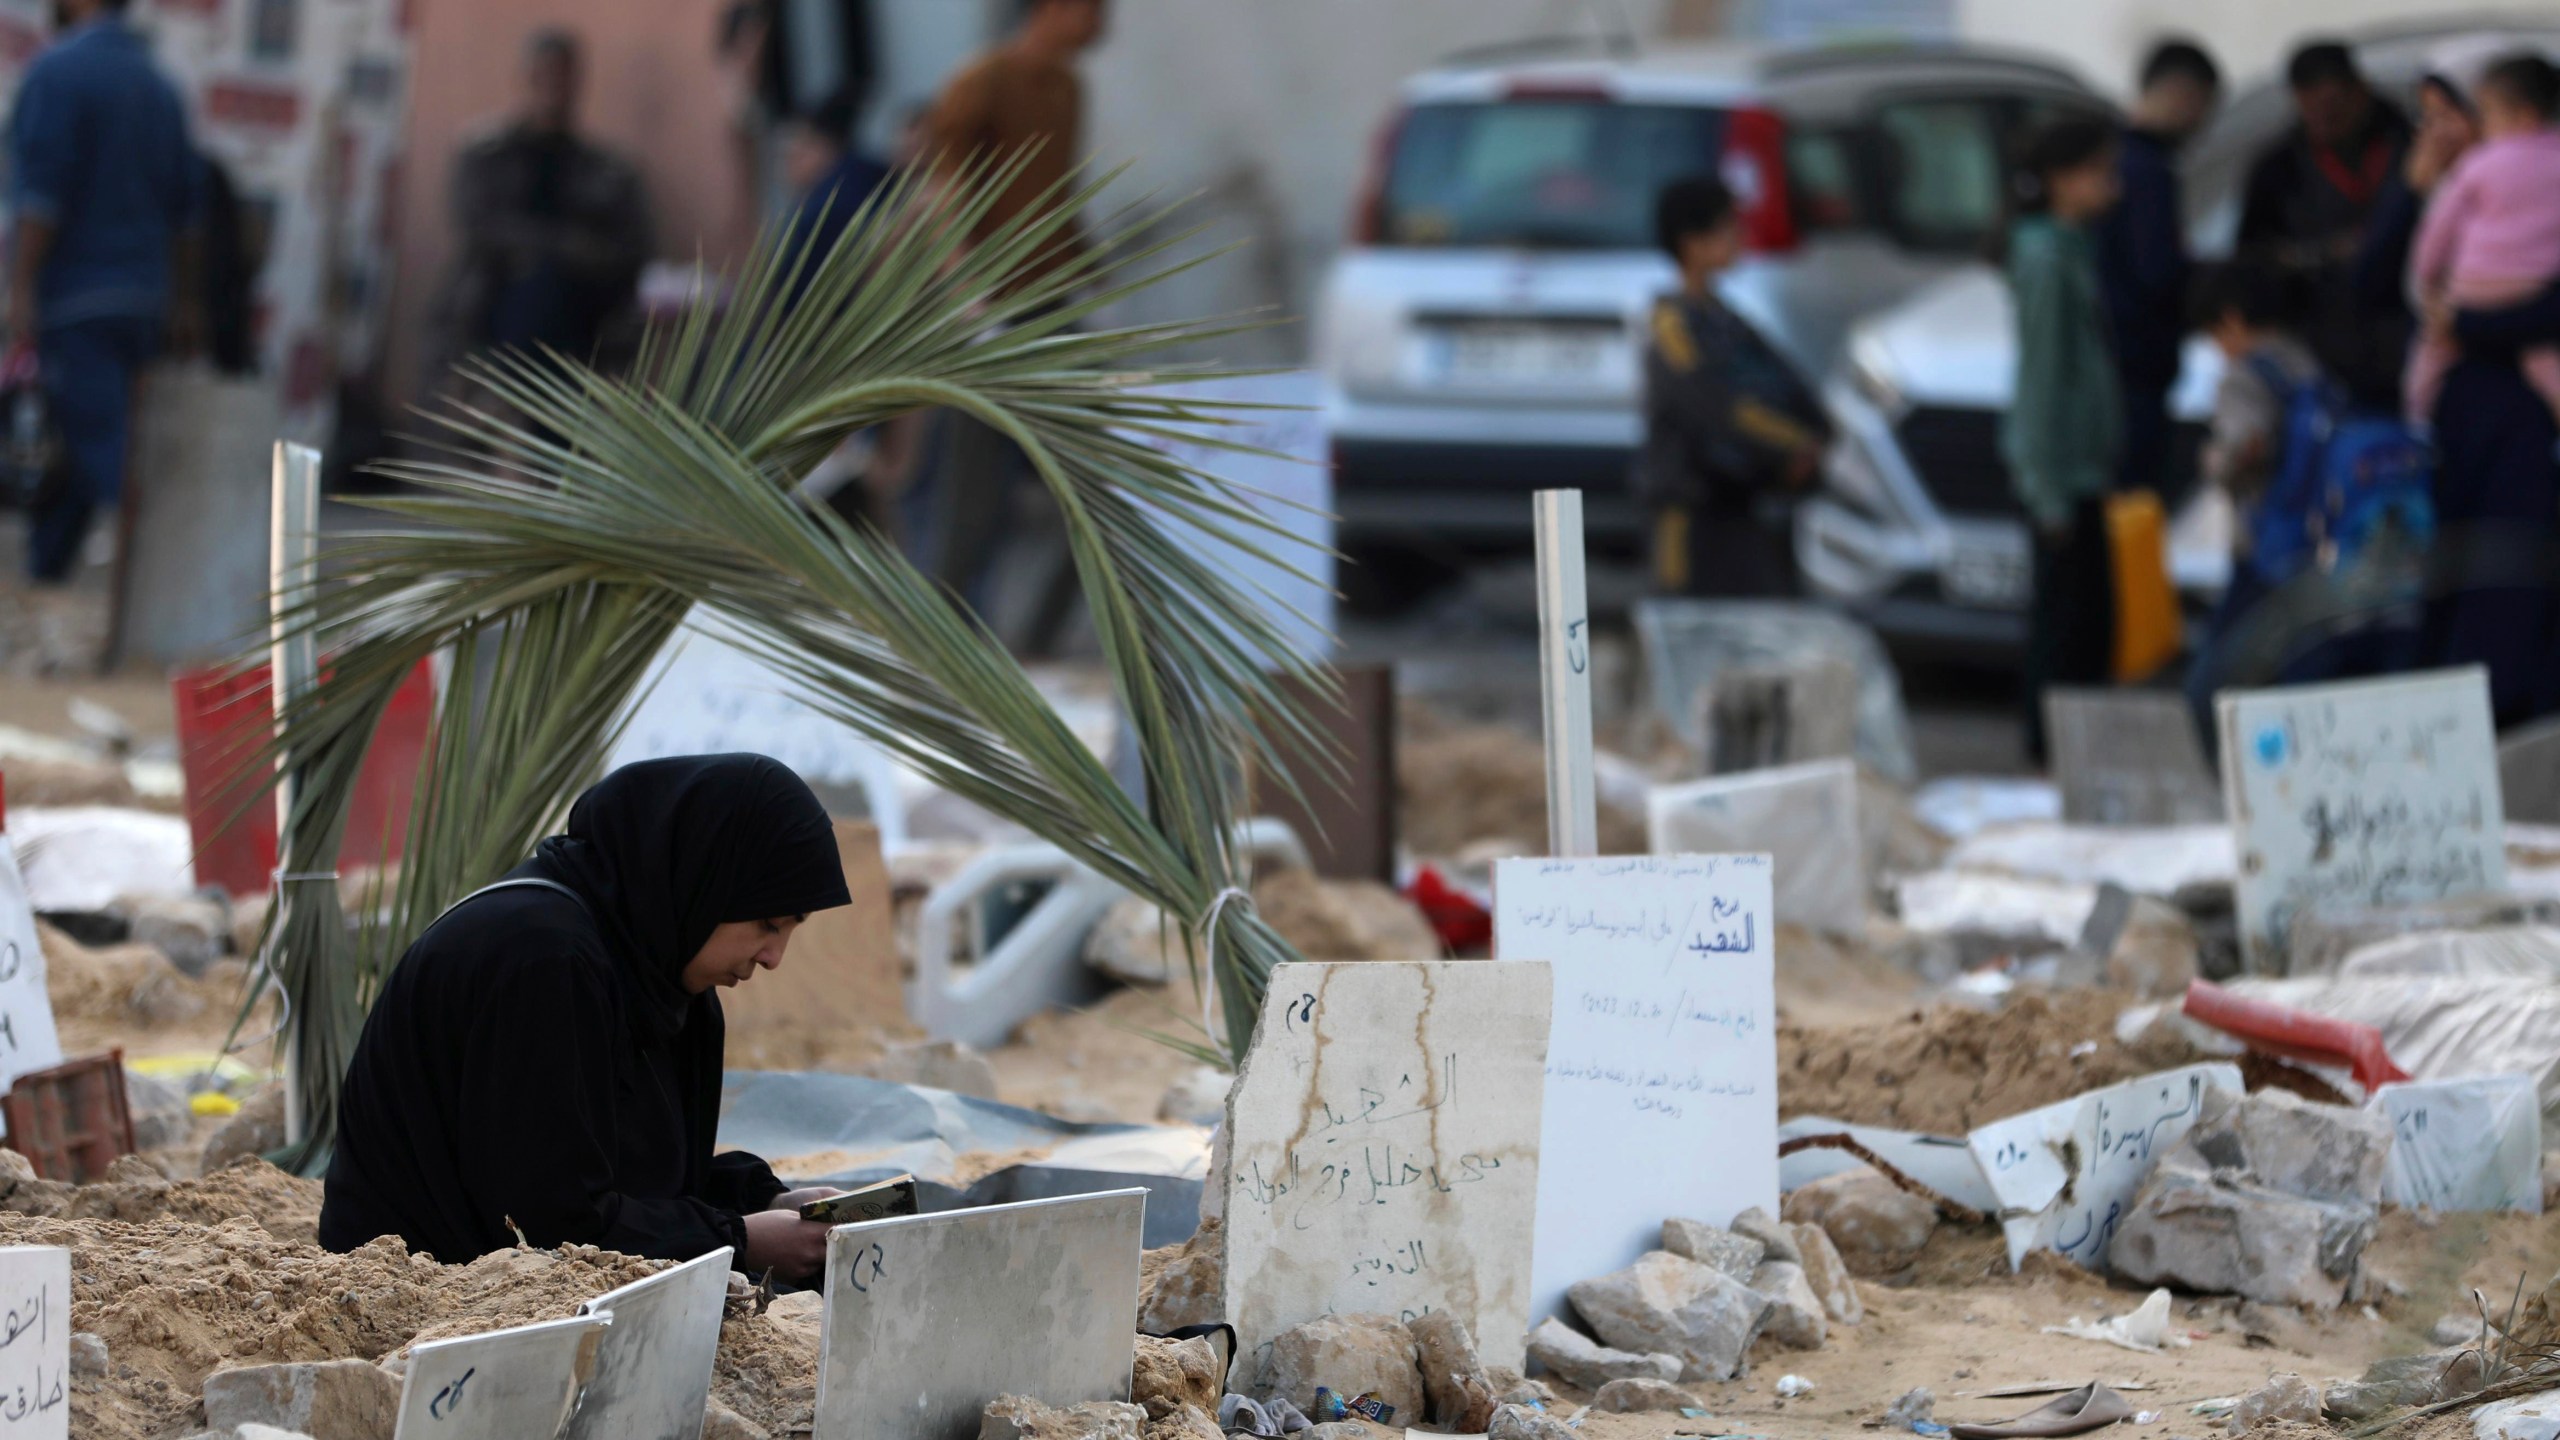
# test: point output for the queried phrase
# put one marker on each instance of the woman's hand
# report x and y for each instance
(780, 1241)
(794, 1199)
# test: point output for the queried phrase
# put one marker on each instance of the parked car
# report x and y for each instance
(1916, 528)
(1479, 338)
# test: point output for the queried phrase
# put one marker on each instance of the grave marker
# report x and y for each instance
(27, 1039)
(1805, 816)
(1662, 1059)
(2129, 757)
(1383, 1142)
(653, 1372)
(2469, 1144)
(518, 1384)
(35, 1340)
(2064, 1174)
(929, 1317)
(2374, 793)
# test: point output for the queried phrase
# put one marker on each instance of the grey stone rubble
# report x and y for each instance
(1520, 1422)
(1351, 1355)
(1586, 1364)
(1664, 1304)
(342, 1399)
(1877, 1226)
(1828, 1274)
(2270, 1197)
(1709, 1245)
(1633, 1396)
(1795, 1317)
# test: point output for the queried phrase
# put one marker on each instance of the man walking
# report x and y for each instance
(104, 190)
(1021, 99)
(554, 229)
(2142, 249)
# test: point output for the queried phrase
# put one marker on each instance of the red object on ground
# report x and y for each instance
(225, 719)
(2295, 1034)
(1455, 917)
(71, 1121)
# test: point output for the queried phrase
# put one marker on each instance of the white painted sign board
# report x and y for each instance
(929, 1317)
(653, 1372)
(1804, 816)
(27, 1039)
(1383, 1150)
(1662, 1056)
(2370, 794)
(2065, 1174)
(35, 1342)
(517, 1384)
(2471, 1144)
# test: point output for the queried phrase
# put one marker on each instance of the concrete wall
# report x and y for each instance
(2106, 38)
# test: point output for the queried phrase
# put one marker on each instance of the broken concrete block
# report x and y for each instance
(1454, 1383)
(1586, 1364)
(1776, 1241)
(1349, 1354)
(2283, 1397)
(88, 1355)
(1713, 1245)
(1019, 1417)
(1190, 1286)
(1166, 1375)
(1664, 1304)
(1828, 1274)
(719, 1422)
(1795, 1313)
(2535, 1417)
(937, 1065)
(1520, 1422)
(342, 1399)
(2295, 1146)
(2198, 1231)
(1630, 1397)
(1878, 1226)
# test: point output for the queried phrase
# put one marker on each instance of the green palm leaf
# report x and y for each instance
(578, 521)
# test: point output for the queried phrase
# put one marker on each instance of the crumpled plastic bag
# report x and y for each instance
(2146, 1329)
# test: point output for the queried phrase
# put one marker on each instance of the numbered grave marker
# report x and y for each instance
(653, 1371)
(27, 1039)
(1384, 1150)
(2362, 796)
(519, 1384)
(1662, 1061)
(35, 1339)
(930, 1317)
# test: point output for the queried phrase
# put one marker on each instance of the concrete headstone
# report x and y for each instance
(27, 1039)
(2129, 757)
(653, 1373)
(1662, 1061)
(2373, 793)
(1384, 1149)
(35, 1341)
(516, 1384)
(930, 1318)
(1804, 816)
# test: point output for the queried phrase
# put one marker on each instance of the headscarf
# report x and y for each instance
(666, 851)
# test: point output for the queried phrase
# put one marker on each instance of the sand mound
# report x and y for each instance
(285, 1206)
(1949, 1069)
(130, 996)
(1459, 785)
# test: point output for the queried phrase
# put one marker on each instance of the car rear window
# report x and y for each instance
(1567, 174)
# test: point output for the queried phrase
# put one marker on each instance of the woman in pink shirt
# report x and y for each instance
(2492, 233)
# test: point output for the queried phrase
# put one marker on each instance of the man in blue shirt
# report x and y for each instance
(2142, 250)
(103, 191)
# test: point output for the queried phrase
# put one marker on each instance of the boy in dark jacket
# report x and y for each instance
(1731, 431)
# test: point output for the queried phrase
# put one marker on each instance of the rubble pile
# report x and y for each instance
(1692, 1310)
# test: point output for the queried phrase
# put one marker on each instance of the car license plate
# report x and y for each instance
(1524, 354)
(1987, 573)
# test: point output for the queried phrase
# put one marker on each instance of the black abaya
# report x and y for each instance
(534, 1061)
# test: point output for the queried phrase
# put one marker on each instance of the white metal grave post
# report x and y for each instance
(1564, 676)
(293, 667)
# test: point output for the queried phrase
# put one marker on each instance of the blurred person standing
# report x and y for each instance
(554, 229)
(2142, 249)
(1731, 431)
(105, 190)
(1021, 99)
(831, 178)
(2064, 434)
(2308, 203)
(2448, 126)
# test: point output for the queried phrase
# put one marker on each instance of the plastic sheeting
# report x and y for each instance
(1687, 642)
(2155, 860)
(2507, 951)
(82, 857)
(1959, 806)
(1941, 902)
(2446, 1027)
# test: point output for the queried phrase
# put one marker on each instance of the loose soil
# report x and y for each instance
(1462, 788)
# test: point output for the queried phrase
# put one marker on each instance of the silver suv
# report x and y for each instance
(1479, 337)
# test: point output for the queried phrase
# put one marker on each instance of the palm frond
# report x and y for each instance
(577, 520)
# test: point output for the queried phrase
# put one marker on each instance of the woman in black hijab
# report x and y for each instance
(546, 1058)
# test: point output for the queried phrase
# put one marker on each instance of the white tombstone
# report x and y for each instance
(27, 1039)
(1383, 1148)
(2064, 1174)
(929, 1317)
(517, 1384)
(1662, 1058)
(35, 1340)
(1804, 816)
(653, 1373)
(2470, 1144)
(2364, 795)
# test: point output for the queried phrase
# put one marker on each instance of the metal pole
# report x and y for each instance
(293, 667)
(1564, 676)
